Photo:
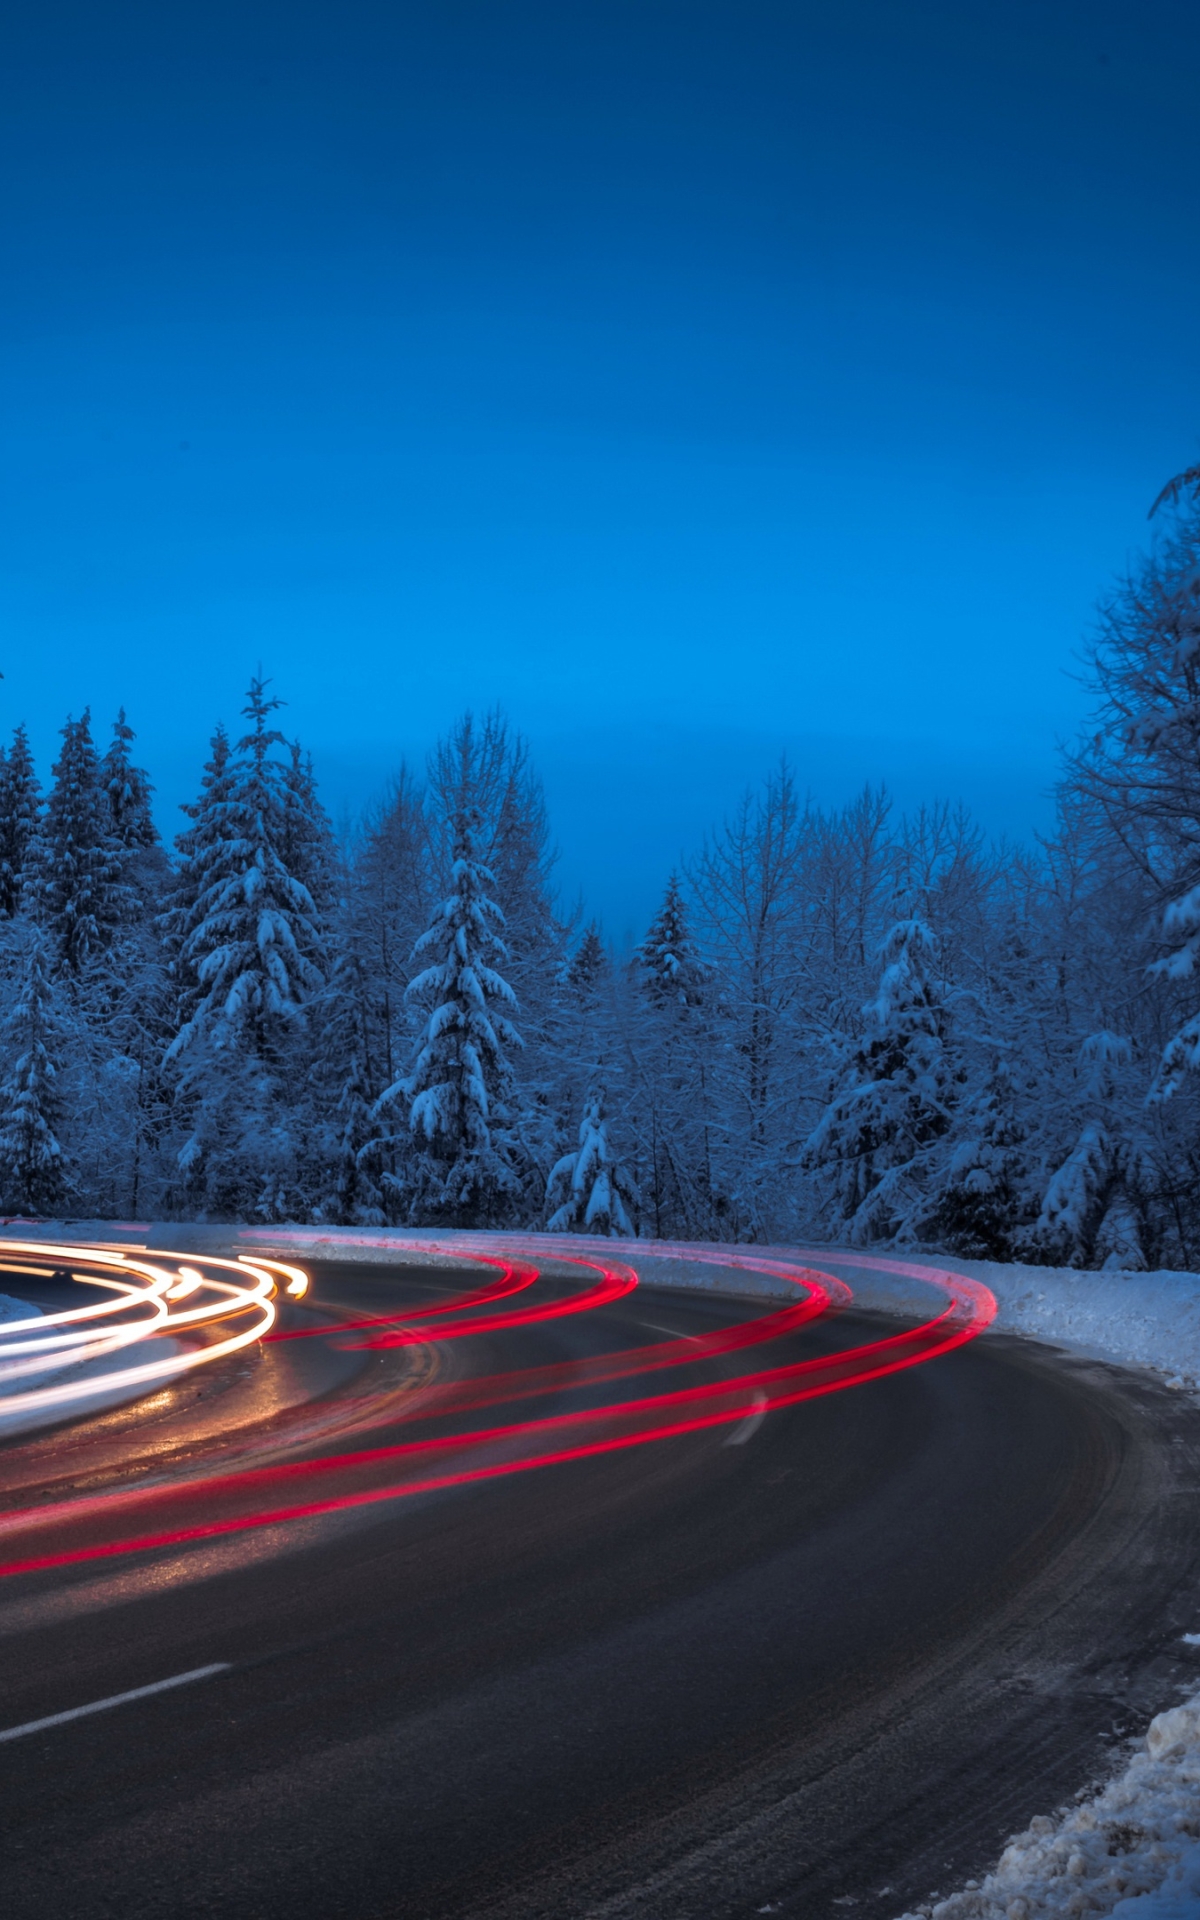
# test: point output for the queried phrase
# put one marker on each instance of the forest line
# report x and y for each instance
(839, 1024)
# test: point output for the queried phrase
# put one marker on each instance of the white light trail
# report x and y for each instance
(158, 1297)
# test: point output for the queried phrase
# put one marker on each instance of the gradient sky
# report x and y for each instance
(696, 379)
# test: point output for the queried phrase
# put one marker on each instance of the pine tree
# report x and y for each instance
(980, 1203)
(484, 765)
(349, 1185)
(588, 965)
(33, 1172)
(20, 802)
(251, 938)
(78, 887)
(1139, 769)
(595, 1192)
(666, 962)
(1090, 1208)
(309, 848)
(129, 790)
(458, 1089)
(876, 1139)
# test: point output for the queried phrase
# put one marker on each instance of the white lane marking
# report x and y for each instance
(652, 1326)
(747, 1428)
(115, 1700)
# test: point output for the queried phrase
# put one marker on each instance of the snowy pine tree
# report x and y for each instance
(78, 886)
(20, 803)
(594, 1191)
(1091, 1205)
(1140, 772)
(666, 961)
(129, 790)
(458, 1089)
(309, 849)
(978, 1206)
(588, 965)
(252, 941)
(876, 1139)
(350, 1188)
(33, 1172)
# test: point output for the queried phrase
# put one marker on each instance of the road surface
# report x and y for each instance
(819, 1657)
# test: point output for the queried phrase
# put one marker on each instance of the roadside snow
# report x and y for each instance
(11, 1309)
(1134, 1319)
(1132, 1851)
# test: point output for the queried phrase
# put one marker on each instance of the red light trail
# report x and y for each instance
(194, 1506)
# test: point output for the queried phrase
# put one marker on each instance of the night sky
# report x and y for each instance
(697, 380)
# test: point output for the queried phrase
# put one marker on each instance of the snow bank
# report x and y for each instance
(1132, 1850)
(11, 1309)
(1134, 1319)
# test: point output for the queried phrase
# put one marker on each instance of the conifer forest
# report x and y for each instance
(847, 1026)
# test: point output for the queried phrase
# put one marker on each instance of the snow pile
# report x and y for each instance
(1134, 1319)
(1133, 1851)
(11, 1309)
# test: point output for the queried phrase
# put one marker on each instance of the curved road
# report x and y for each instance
(798, 1658)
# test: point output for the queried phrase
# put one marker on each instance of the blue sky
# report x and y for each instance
(698, 380)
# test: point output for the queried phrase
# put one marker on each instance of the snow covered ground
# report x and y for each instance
(11, 1309)
(1135, 1319)
(1132, 1851)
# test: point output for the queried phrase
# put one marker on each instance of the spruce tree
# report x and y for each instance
(981, 1200)
(459, 1087)
(78, 886)
(876, 1138)
(20, 802)
(309, 848)
(595, 1192)
(1140, 771)
(588, 965)
(250, 939)
(129, 790)
(33, 1173)
(666, 962)
(351, 1191)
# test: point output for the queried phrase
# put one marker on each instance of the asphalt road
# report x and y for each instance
(823, 1669)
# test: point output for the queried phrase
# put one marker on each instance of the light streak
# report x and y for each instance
(234, 1501)
(58, 1342)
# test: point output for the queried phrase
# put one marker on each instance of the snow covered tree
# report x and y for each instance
(748, 899)
(390, 902)
(129, 790)
(195, 847)
(876, 1140)
(33, 1171)
(20, 802)
(78, 886)
(485, 766)
(980, 1202)
(588, 965)
(666, 962)
(459, 1088)
(1090, 1210)
(309, 849)
(253, 942)
(594, 1191)
(1141, 769)
(347, 1184)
